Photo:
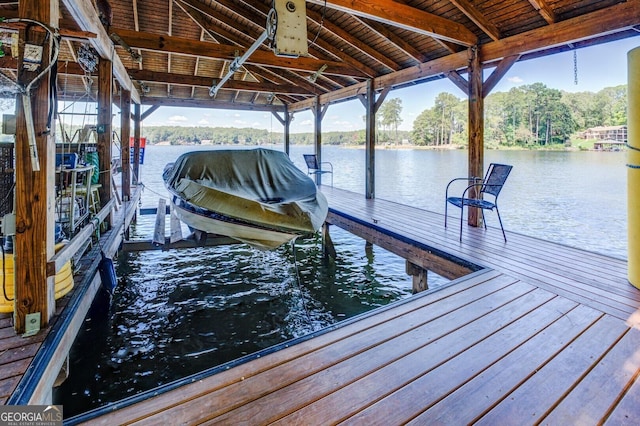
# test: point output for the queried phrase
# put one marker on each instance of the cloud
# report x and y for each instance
(203, 122)
(174, 119)
(515, 80)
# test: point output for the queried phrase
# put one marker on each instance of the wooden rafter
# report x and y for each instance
(478, 18)
(353, 41)
(197, 14)
(399, 42)
(87, 18)
(494, 78)
(543, 9)
(261, 17)
(200, 81)
(169, 32)
(211, 103)
(161, 43)
(328, 47)
(407, 17)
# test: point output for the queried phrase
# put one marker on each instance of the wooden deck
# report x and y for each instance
(30, 366)
(540, 334)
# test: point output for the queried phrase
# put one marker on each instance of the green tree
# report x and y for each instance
(389, 115)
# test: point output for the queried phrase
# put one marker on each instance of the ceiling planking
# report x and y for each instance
(186, 46)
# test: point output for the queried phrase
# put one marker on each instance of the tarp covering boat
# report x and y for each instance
(257, 196)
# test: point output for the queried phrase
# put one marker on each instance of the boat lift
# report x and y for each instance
(286, 28)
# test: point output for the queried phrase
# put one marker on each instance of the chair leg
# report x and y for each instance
(484, 222)
(501, 227)
(461, 216)
(446, 204)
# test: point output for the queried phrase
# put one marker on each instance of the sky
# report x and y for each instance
(599, 66)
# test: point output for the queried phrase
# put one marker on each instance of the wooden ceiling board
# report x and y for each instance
(123, 15)
(569, 8)
(153, 15)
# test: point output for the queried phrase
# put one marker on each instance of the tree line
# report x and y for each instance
(529, 115)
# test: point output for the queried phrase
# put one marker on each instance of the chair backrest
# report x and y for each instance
(495, 178)
(312, 161)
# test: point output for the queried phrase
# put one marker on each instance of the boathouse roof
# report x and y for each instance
(171, 52)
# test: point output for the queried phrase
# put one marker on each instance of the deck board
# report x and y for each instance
(599, 280)
(541, 333)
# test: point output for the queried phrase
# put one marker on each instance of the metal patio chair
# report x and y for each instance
(315, 168)
(491, 184)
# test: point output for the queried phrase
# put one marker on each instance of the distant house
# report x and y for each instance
(608, 145)
(606, 133)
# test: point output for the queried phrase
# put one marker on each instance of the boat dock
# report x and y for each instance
(532, 332)
(30, 366)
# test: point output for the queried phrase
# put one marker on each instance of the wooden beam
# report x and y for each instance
(503, 67)
(192, 80)
(125, 134)
(370, 142)
(137, 121)
(543, 9)
(159, 228)
(427, 259)
(458, 80)
(78, 241)
(85, 15)
(166, 44)
(287, 129)
(478, 18)
(209, 103)
(406, 17)
(353, 41)
(400, 42)
(105, 102)
(601, 22)
(34, 192)
(66, 34)
(148, 112)
(476, 128)
(317, 135)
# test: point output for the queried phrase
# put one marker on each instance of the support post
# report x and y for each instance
(136, 143)
(420, 275)
(287, 130)
(476, 127)
(33, 244)
(125, 134)
(633, 167)
(370, 142)
(105, 97)
(318, 114)
(328, 249)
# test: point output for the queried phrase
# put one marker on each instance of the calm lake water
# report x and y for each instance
(179, 312)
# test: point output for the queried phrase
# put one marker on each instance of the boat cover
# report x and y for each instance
(259, 186)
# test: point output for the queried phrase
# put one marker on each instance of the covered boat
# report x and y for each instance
(257, 196)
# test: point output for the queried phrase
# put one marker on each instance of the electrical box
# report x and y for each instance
(291, 30)
(9, 124)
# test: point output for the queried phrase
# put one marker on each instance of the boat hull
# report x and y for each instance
(212, 223)
(256, 196)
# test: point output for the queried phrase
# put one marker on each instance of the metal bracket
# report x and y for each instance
(32, 324)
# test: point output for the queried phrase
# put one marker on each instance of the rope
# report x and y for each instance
(633, 166)
(299, 284)
(631, 147)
